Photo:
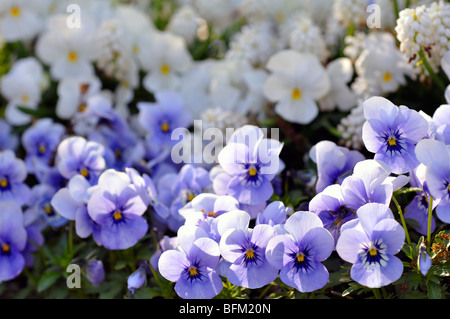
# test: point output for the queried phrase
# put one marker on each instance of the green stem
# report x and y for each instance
(376, 293)
(399, 209)
(71, 237)
(430, 70)
(156, 278)
(396, 11)
(264, 292)
(430, 218)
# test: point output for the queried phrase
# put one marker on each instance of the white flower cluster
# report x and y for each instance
(424, 30)
(350, 127)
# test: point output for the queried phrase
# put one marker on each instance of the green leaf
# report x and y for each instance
(441, 270)
(434, 290)
(48, 280)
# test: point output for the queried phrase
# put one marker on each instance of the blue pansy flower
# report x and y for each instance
(370, 243)
(13, 239)
(299, 252)
(13, 173)
(392, 132)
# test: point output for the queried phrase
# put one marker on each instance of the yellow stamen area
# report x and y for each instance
(136, 49)
(42, 149)
(448, 187)
(117, 215)
(193, 271)
(82, 108)
(48, 209)
(165, 127)
(392, 141)
(84, 172)
(212, 214)
(15, 11)
(25, 99)
(373, 252)
(3, 182)
(72, 56)
(165, 69)
(6, 248)
(250, 254)
(296, 94)
(191, 197)
(252, 171)
(300, 257)
(387, 77)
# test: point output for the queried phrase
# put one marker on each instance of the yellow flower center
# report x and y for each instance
(193, 271)
(117, 215)
(300, 257)
(165, 127)
(15, 11)
(250, 254)
(373, 252)
(82, 108)
(136, 49)
(25, 99)
(448, 187)
(48, 210)
(6, 248)
(252, 171)
(165, 69)
(212, 214)
(42, 148)
(190, 197)
(387, 77)
(296, 94)
(84, 172)
(72, 56)
(392, 141)
(3, 182)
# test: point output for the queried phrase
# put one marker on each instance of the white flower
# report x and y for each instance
(20, 19)
(73, 94)
(350, 127)
(304, 36)
(185, 23)
(445, 63)
(22, 87)
(68, 51)
(350, 12)
(255, 42)
(340, 72)
(165, 58)
(296, 82)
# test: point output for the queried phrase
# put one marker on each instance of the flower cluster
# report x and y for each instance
(134, 143)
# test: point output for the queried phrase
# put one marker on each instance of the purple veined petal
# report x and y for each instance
(382, 194)
(320, 243)
(261, 234)
(372, 213)
(354, 192)
(391, 233)
(437, 177)
(172, 263)
(84, 225)
(188, 234)
(417, 210)
(414, 125)
(101, 203)
(233, 219)
(206, 251)
(231, 244)
(64, 204)
(371, 172)
(210, 286)
(380, 108)
(372, 141)
(278, 248)
(131, 202)
(443, 211)
(233, 157)
(432, 151)
(305, 281)
(254, 276)
(113, 181)
(221, 182)
(248, 135)
(375, 276)
(78, 186)
(349, 243)
(299, 223)
(123, 235)
(205, 202)
(11, 265)
(225, 204)
(250, 194)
